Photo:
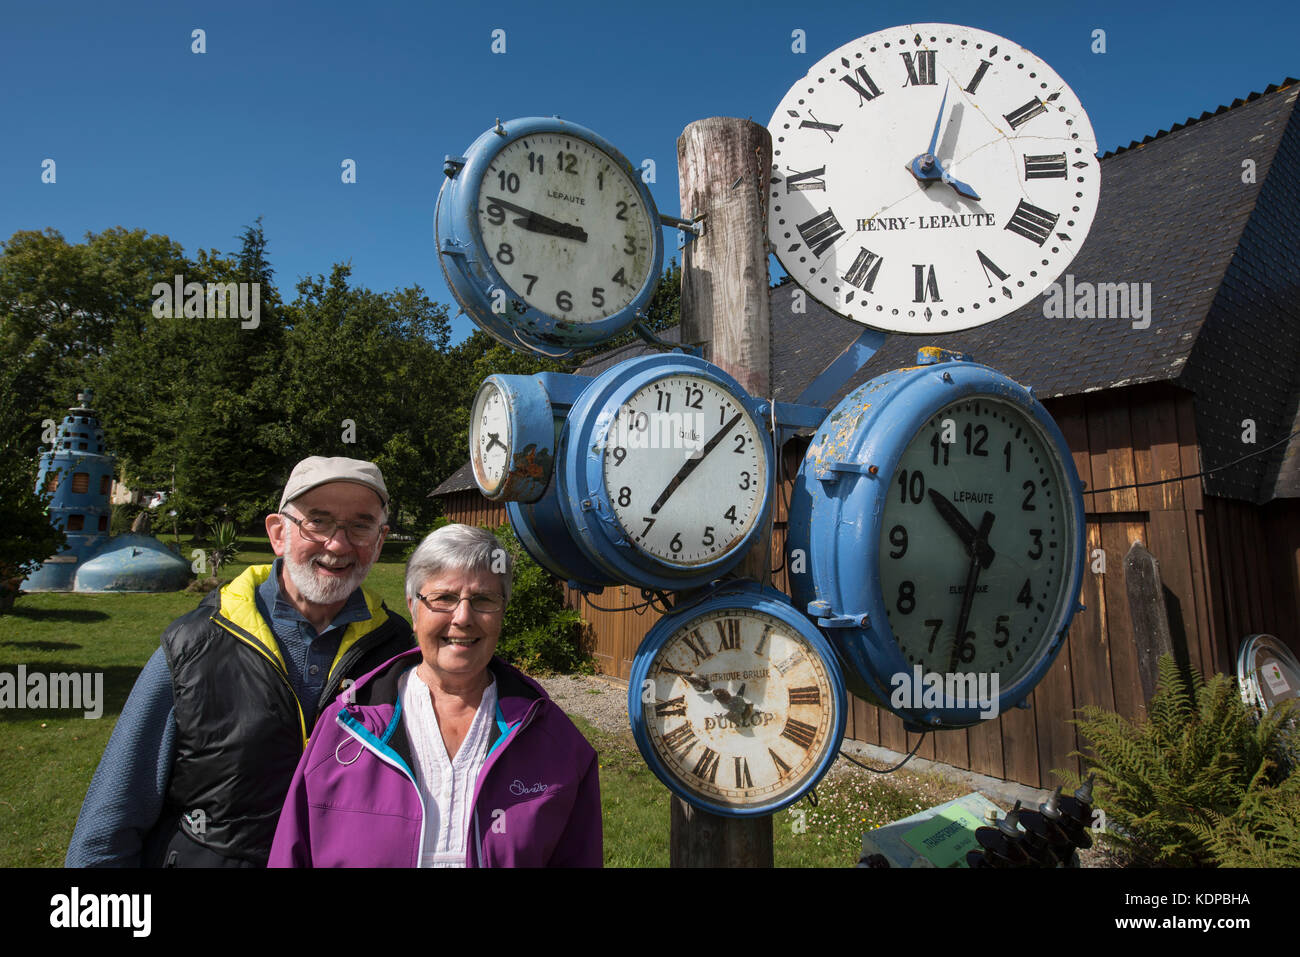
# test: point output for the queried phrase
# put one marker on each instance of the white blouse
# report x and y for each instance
(446, 784)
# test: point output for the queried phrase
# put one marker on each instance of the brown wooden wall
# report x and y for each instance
(1230, 569)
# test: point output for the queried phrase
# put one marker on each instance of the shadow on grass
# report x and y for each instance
(118, 681)
(84, 615)
(41, 645)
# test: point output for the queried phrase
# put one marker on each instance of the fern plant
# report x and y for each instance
(1202, 781)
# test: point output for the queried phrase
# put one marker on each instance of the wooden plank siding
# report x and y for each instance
(1230, 568)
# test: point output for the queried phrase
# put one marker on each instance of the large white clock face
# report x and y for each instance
(565, 227)
(490, 437)
(685, 470)
(930, 178)
(978, 499)
(743, 710)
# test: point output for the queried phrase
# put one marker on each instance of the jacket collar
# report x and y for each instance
(515, 690)
(378, 693)
(237, 604)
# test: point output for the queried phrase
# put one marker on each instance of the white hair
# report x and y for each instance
(459, 548)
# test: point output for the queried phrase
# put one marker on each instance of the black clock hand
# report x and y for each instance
(537, 223)
(691, 464)
(975, 545)
(968, 597)
(699, 684)
(494, 439)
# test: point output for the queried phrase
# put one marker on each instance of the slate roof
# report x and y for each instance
(1222, 257)
(461, 480)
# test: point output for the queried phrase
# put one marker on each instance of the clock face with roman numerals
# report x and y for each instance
(930, 178)
(741, 710)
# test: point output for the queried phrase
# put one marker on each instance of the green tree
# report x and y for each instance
(27, 538)
(62, 306)
(367, 375)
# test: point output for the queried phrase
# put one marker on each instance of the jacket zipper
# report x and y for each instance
(275, 666)
(478, 830)
(363, 645)
(419, 850)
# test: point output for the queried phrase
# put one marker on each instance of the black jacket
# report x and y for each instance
(240, 727)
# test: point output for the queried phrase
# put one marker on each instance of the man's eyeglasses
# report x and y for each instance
(320, 530)
(450, 601)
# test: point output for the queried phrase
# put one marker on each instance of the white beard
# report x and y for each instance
(323, 591)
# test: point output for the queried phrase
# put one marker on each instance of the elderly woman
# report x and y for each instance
(445, 756)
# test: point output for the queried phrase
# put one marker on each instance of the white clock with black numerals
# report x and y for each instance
(566, 227)
(929, 178)
(512, 438)
(977, 541)
(737, 704)
(685, 469)
(547, 236)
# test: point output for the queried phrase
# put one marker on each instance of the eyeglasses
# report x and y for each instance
(450, 601)
(321, 530)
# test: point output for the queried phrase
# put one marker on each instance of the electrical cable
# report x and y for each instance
(868, 767)
(601, 608)
(1181, 478)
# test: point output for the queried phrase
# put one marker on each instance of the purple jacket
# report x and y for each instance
(353, 801)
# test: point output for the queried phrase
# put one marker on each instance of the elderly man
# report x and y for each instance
(199, 762)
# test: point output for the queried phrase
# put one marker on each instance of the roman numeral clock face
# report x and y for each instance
(930, 178)
(740, 708)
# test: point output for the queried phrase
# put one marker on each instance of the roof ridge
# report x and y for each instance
(1193, 120)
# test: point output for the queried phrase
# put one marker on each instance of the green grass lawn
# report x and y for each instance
(49, 757)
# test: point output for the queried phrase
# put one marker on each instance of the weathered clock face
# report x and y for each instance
(978, 498)
(565, 227)
(490, 437)
(685, 469)
(929, 178)
(743, 709)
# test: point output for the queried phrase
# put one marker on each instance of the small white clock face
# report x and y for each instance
(490, 439)
(978, 498)
(743, 709)
(564, 225)
(930, 178)
(685, 470)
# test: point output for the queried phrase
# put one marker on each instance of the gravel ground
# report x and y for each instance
(603, 702)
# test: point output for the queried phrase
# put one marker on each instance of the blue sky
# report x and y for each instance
(147, 134)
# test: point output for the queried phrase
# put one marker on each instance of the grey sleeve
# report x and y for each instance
(125, 798)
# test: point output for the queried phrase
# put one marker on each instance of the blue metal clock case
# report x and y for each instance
(745, 596)
(583, 502)
(532, 438)
(836, 512)
(469, 270)
(538, 524)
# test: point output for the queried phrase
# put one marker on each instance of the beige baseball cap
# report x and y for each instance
(317, 470)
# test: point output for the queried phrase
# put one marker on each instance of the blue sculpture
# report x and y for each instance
(79, 472)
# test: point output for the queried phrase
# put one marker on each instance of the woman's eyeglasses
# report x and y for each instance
(450, 601)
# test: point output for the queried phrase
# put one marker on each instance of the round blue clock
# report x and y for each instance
(737, 703)
(663, 472)
(547, 236)
(937, 535)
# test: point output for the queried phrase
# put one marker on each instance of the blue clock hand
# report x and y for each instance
(957, 184)
(924, 167)
(938, 120)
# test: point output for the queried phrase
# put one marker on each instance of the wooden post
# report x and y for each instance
(723, 166)
(1146, 605)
